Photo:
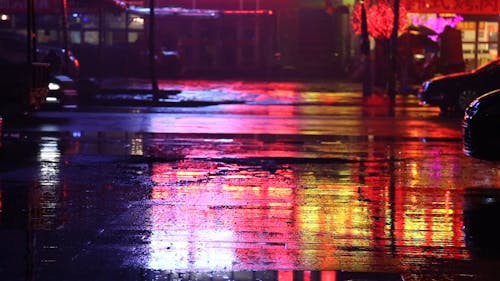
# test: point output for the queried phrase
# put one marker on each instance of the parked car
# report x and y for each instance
(63, 67)
(454, 92)
(63, 62)
(481, 208)
(13, 46)
(63, 93)
(481, 127)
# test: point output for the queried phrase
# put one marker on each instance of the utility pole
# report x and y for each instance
(30, 31)
(365, 52)
(152, 43)
(65, 43)
(393, 52)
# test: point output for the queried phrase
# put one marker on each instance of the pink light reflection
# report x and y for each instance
(204, 227)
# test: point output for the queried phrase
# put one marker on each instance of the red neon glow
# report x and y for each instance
(285, 275)
(328, 276)
(380, 19)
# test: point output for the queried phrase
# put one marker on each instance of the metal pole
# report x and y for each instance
(29, 31)
(391, 85)
(152, 43)
(365, 52)
(65, 43)
(64, 11)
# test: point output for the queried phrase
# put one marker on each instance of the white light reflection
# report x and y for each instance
(219, 140)
(46, 197)
(191, 250)
(212, 255)
(49, 156)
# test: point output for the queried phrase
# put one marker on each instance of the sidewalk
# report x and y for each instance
(138, 92)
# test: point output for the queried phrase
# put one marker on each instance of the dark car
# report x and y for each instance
(481, 127)
(481, 209)
(63, 93)
(63, 62)
(64, 67)
(14, 49)
(454, 92)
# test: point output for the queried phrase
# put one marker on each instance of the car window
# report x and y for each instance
(491, 110)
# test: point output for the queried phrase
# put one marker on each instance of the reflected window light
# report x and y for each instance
(136, 146)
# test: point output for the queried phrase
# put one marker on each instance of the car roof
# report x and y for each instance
(487, 65)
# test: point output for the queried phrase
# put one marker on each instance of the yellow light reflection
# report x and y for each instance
(136, 146)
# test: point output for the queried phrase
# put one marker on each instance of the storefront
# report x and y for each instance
(247, 34)
(479, 39)
(479, 25)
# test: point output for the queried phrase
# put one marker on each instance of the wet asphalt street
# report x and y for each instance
(236, 180)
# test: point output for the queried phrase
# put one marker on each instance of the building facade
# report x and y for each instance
(244, 37)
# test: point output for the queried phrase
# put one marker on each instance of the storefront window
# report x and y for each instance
(78, 20)
(115, 21)
(469, 50)
(480, 42)
(490, 31)
(136, 22)
(91, 37)
(485, 52)
(75, 37)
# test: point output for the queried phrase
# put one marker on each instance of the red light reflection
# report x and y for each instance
(242, 217)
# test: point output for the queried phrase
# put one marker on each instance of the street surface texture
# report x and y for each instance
(234, 180)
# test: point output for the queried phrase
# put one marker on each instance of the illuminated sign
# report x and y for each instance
(476, 7)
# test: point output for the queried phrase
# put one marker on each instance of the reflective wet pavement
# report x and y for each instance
(334, 194)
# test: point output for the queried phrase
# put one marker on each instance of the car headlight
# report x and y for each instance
(472, 109)
(54, 86)
(425, 85)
